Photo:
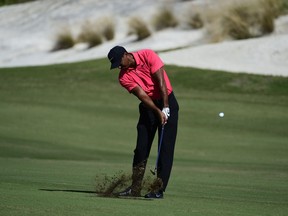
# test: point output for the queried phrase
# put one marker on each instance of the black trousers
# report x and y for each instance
(147, 126)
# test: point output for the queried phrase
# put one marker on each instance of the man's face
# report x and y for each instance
(125, 63)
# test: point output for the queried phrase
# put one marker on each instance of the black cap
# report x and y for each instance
(115, 56)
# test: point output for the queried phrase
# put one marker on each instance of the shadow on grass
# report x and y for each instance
(93, 192)
(72, 191)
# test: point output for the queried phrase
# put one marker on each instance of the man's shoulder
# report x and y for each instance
(145, 51)
(147, 54)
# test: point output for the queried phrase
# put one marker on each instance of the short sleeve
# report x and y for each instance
(154, 61)
(127, 82)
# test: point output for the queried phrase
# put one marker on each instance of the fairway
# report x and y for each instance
(64, 126)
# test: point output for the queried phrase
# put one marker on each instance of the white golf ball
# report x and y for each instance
(221, 114)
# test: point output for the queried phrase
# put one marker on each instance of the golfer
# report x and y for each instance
(142, 74)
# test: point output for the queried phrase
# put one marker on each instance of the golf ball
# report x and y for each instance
(221, 114)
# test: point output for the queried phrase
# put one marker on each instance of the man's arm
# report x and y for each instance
(159, 77)
(141, 94)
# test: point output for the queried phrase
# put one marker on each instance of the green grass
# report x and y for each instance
(62, 126)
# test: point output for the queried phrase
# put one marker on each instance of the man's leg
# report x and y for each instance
(168, 144)
(146, 129)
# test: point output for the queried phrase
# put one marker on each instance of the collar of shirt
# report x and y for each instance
(137, 62)
(136, 58)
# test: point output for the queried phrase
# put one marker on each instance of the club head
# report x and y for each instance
(153, 172)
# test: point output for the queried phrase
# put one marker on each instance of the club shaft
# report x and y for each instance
(159, 147)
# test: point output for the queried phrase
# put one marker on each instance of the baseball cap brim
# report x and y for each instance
(115, 64)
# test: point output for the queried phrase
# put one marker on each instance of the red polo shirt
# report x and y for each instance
(147, 63)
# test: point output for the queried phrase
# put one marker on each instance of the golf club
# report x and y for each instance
(159, 149)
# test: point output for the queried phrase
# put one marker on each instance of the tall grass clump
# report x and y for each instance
(285, 7)
(64, 40)
(195, 21)
(275, 7)
(90, 34)
(165, 18)
(193, 17)
(243, 20)
(107, 27)
(138, 27)
(94, 33)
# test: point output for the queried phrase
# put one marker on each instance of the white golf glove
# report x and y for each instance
(166, 112)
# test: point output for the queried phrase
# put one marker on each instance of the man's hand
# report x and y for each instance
(162, 117)
(139, 92)
(166, 112)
